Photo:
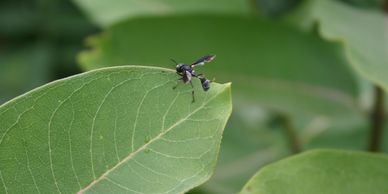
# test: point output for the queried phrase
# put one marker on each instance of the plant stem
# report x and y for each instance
(377, 120)
(377, 115)
(291, 134)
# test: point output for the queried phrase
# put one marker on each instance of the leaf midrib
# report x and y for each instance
(131, 155)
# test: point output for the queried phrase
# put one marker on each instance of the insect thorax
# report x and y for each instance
(183, 68)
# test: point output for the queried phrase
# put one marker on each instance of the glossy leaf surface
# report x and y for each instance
(112, 130)
(323, 171)
(105, 13)
(365, 39)
(267, 63)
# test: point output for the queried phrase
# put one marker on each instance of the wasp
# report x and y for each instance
(187, 73)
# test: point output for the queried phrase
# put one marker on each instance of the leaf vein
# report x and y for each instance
(140, 176)
(94, 121)
(49, 128)
(131, 155)
(70, 149)
(14, 124)
(186, 140)
(29, 168)
(121, 186)
(154, 171)
(168, 110)
(138, 111)
(114, 137)
(3, 183)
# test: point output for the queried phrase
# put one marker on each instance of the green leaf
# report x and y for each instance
(24, 68)
(322, 172)
(244, 150)
(365, 39)
(112, 130)
(274, 8)
(273, 67)
(264, 49)
(366, 4)
(105, 13)
(295, 81)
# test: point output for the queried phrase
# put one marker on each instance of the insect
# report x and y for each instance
(205, 83)
(187, 72)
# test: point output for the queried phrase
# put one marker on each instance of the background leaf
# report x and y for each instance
(23, 69)
(365, 39)
(284, 80)
(38, 43)
(267, 63)
(105, 13)
(273, 8)
(244, 57)
(323, 171)
(377, 4)
(117, 130)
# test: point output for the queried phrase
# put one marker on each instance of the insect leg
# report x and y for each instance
(192, 92)
(181, 78)
(197, 75)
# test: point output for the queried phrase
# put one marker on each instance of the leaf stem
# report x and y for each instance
(377, 114)
(377, 120)
(290, 134)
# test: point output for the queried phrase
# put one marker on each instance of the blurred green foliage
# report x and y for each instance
(105, 13)
(376, 4)
(277, 68)
(275, 8)
(332, 171)
(39, 40)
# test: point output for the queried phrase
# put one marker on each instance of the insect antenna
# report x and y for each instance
(173, 60)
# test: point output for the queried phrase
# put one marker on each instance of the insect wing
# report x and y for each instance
(203, 60)
(187, 77)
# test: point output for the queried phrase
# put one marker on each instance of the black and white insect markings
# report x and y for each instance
(187, 72)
